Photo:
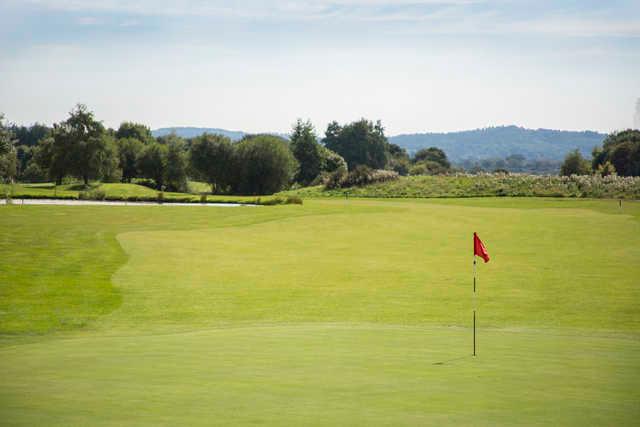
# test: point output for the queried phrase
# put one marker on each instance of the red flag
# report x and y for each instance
(479, 249)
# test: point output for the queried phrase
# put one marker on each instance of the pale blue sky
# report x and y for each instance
(418, 65)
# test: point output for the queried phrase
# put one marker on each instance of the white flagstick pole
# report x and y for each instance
(474, 303)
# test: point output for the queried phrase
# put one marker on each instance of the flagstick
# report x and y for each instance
(474, 305)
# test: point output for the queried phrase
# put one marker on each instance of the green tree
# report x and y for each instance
(398, 159)
(81, 146)
(134, 130)
(33, 173)
(176, 171)
(129, 150)
(24, 154)
(331, 161)
(264, 165)
(622, 158)
(622, 150)
(170, 138)
(427, 167)
(8, 158)
(50, 162)
(109, 168)
(211, 159)
(359, 143)
(432, 154)
(7, 138)
(152, 163)
(30, 135)
(606, 169)
(306, 150)
(575, 164)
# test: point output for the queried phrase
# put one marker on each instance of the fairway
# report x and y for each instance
(336, 312)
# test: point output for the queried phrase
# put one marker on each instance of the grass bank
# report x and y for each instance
(488, 185)
(127, 192)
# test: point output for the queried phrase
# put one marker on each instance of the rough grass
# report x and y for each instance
(487, 185)
(335, 312)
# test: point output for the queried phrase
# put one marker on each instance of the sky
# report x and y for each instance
(258, 65)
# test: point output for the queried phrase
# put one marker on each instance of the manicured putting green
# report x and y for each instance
(322, 375)
(335, 312)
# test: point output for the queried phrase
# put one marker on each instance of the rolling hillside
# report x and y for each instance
(492, 142)
(503, 141)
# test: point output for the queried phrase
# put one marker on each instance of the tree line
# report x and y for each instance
(81, 147)
(619, 155)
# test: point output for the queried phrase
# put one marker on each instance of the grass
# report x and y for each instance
(487, 185)
(120, 191)
(335, 312)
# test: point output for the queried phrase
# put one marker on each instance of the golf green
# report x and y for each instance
(339, 312)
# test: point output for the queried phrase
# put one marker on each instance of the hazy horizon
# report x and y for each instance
(419, 66)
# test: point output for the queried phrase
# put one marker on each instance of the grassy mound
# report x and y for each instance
(488, 185)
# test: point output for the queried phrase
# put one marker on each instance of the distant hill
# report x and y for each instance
(502, 141)
(190, 132)
(492, 142)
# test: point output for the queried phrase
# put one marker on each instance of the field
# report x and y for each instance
(335, 312)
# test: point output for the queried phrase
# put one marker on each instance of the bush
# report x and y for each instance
(95, 194)
(427, 167)
(335, 179)
(288, 200)
(361, 175)
(264, 165)
(606, 169)
(575, 164)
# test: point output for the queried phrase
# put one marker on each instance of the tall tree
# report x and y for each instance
(306, 150)
(176, 172)
(129, 149)
(152, 163)
(81, 146)
(8, 159)
(30, 135)
(622, 150)
(211, 159)
(134, 130)
(359, 143)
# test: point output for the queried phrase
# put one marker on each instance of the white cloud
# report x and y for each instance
(443, 16)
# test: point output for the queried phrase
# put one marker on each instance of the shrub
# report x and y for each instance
(288, 200)
(606, 169)
(264, 165)
(293, 200)
(95, 194)
(363, 175)
(335, 179)
(575, 164)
